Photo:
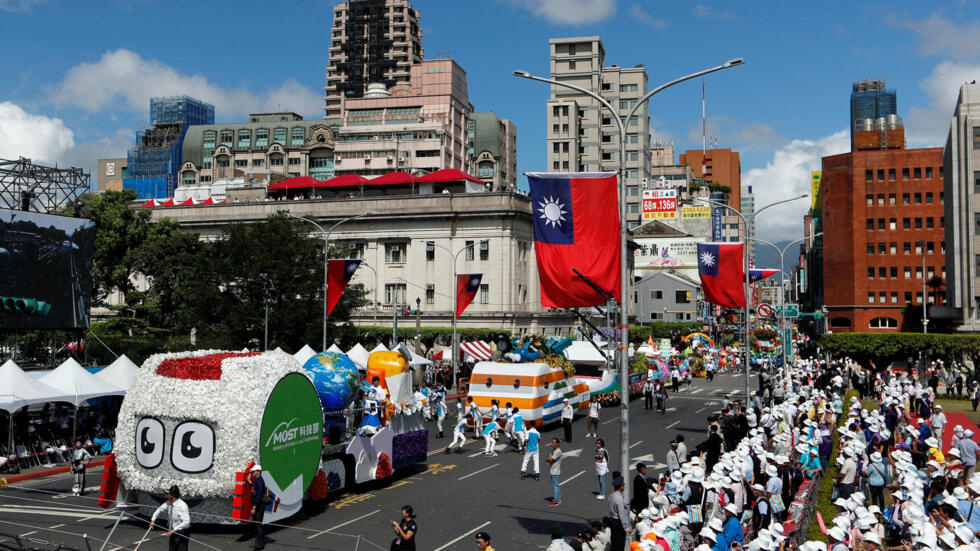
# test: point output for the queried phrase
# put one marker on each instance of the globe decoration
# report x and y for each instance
(335, 379)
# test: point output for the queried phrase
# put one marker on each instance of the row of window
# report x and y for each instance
(396, 253)
(869, 199)
(297, 137)
(885, 272)
(680, 297)
(396, 293)
(883, 297)
(878, 175)
(882, 322)
(892, 248)
(907, 223)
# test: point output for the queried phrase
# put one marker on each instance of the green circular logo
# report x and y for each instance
(292, 433)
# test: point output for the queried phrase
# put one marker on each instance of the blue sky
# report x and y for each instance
(77, 84)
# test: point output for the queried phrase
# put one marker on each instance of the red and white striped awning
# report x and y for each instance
(478, 350)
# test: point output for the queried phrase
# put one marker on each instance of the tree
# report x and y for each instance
(120, 232)
(936, 283)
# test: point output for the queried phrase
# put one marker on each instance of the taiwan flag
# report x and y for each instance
(756, 275)
(722, 279)
(466, 287)
(339, 273)
(576, 227)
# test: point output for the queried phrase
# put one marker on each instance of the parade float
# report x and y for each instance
(199, 419)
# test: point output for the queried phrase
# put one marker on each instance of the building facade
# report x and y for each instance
(870, 101)
(748, 211)
(961, 158)
(372, 41)
(582, 136)
(417, 126)
(110, 174)
(719, 166)
(404, 242)
(153, 165)
(882, 218)
(667, 295)
(492, 148)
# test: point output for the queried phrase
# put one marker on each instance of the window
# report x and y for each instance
(241, 163)
(905, 174)
(918, 272)
(908, 273)
(881, 174)
(469, 250)
(571, 65)
(871, 223)
(907, 247)
(928, 172)
(223, 163)
(976, 137)
(929, 222)
(189, 179)
(634, 209)
(918, 223)
(891, 198)
(293, 161)
(882, 272)
(907, 223)
(275, 160)
(881, 198)
(918, 198)
(918, 298)
(892, 224)
(262, 138)
(395, 253)
(905, 198)
(244, 139)
(840, 322)
(430, 294)
(296, 137)
(871, 273)
(682, 297)
(554, 128)
(976, 181)
(430, 251)
(871, 248)
(555, 111)
(881, 248)
(881, 223)
(908, 297)
(634, 156)
(893, 272)
(485, 249)
(883, 323)
(917, 174)
(871, 297)
(279, 136)
(484, 293)
(227, 136)
(258, 162)
(894, 297)
(931, 247)
(628, 87)
(395, 293)
(209, 139)
(556, 165)
(893, 248)
(634, 191)
(869, 175)
(882, 297)
(659, 295)
(891, 174)
(869, 199)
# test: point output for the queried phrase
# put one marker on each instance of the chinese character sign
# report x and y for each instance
(659, 204)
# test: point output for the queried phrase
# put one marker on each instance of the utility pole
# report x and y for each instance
(395, 309)
(418, 325)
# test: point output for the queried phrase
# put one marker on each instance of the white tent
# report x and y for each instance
(419, 360)
(304, 354)
(380, 348)
(359, 355)
(121, 372)
(335, 348)
(279, 349)
(71, 379)
(17, 389)
(581, 352)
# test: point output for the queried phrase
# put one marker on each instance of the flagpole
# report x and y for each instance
(454, 344)
(623, 325)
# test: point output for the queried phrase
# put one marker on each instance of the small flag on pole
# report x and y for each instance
(466, 287)
(339, 274)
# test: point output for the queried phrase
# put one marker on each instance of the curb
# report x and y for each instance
(11, 479)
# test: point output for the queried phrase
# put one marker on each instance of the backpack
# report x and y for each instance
(266, 496)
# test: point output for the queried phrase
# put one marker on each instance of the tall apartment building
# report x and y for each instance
(493, 150)
(582, 136)
(961, 157)
(870, 102)
(372, 41)
(747, 209)
(719, 166)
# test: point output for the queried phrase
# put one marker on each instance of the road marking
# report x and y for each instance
(571, 478)
(573, 453)
(52, 512)
(106, 514)
(697, 391)
(445, 546)
(671, 409)
(443, 448)
(25, 534)
(636, 444)
(672, 424)
(341, 525)
(478, 472)
(700, 410)
(57, 526)
(609, 421)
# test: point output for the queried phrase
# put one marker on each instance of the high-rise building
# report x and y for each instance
(748, 211)
(372, 41)
(717, 166)
(961, 158)
(870, 101)
(493, 150)
(582, 136)
(153, 164)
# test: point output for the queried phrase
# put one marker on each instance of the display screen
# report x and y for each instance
(45, 270)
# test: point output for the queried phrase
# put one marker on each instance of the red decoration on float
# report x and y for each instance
(198, 368)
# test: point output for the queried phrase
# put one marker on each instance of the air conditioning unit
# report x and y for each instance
(402, 159)
(337, 160)
(391, 158)
(367, 156)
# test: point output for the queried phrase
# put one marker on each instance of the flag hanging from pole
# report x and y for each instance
(757, 274)
(466, 287)
(339, 274)
(576, 227)
(722, 276)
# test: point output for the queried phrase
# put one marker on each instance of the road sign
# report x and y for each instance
(788, 337)
(764, 310)
(792, 310)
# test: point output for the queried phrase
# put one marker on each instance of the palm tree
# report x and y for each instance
(935, 283)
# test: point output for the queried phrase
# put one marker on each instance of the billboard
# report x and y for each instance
(659, 204)
(45, 270)
(666, 253)
(815, 190)
(688, 213)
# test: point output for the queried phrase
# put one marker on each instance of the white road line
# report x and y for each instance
(106, 514)
(57, 526)
(672, 424)
(443, 448)
(697, 391)
(478, 472)
(571, 478)
(700, 410)
(343, 524)
(636, 444)
(671, 409)
(609, 421)
(52, 513)
(25, 534)
(446, 546)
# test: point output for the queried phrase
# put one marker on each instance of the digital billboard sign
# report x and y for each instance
(45, 270)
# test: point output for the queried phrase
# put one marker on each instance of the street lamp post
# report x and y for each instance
(376, 304)
(745, 270)
(782, 289)
(623, 325)
(452, 289)
(326, 257)
(925, 315)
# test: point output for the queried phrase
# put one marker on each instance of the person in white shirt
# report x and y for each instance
(681, 448)
(459, 434)
(440, 414)
(938, 422)
(567, 413)
(179, 516)
(490, 435)
(474, 411)
(593, 426)
(673, 459)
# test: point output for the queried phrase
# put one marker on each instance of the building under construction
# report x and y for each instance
(31, 187)
(153, 164)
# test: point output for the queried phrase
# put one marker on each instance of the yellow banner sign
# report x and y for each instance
(815, 190)
(696, 212)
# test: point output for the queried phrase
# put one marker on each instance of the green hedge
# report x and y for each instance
(825, 505)
(663, 330)
(884, 348)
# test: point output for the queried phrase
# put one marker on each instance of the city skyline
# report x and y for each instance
(94, 98)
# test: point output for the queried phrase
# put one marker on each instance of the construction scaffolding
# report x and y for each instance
(36, 188)
(151, 167)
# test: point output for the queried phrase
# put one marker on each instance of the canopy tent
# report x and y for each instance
(189, 202)
(380, 348)
(168, 203)
(359, 355)
(73, 380)
(151, 203)
(121, 372)
(478, 350)
(280, 350)
(581, 352)
(419, 360)
(335, 348)
(19, 389)
(304, 354)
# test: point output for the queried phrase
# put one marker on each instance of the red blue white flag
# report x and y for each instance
(722, 279)
(466, 287)
(339, 274)
(757, 274)
(576, 227)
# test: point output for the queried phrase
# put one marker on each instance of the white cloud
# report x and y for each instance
(788, 175)
(570, 12)
(123, 76)
(938, 35)
(708, 12)
(745, 137)
(637, 12)
(33, 136)
(928, 126)
(20, 6)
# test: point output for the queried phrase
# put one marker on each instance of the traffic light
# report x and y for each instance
(16, 305)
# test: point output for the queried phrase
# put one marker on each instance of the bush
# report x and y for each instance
(884, 348)
(825, 505)
(663, 330)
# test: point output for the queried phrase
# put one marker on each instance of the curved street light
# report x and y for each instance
(452, 289)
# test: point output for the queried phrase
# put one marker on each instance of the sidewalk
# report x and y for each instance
(40, 472)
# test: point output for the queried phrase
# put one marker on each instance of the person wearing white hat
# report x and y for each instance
(260, 498)
(836, 536)
(761, 508)
(878, 478)
(732, 532)
(938, 421)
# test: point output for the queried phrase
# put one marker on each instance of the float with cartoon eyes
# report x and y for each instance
(199, 419)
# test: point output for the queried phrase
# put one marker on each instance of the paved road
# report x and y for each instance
(453, 495)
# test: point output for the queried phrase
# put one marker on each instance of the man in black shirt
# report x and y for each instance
(258, 505)
(641, 488)
(711, 447)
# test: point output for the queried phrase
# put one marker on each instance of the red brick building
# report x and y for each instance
(878, 208)
(722, 166)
